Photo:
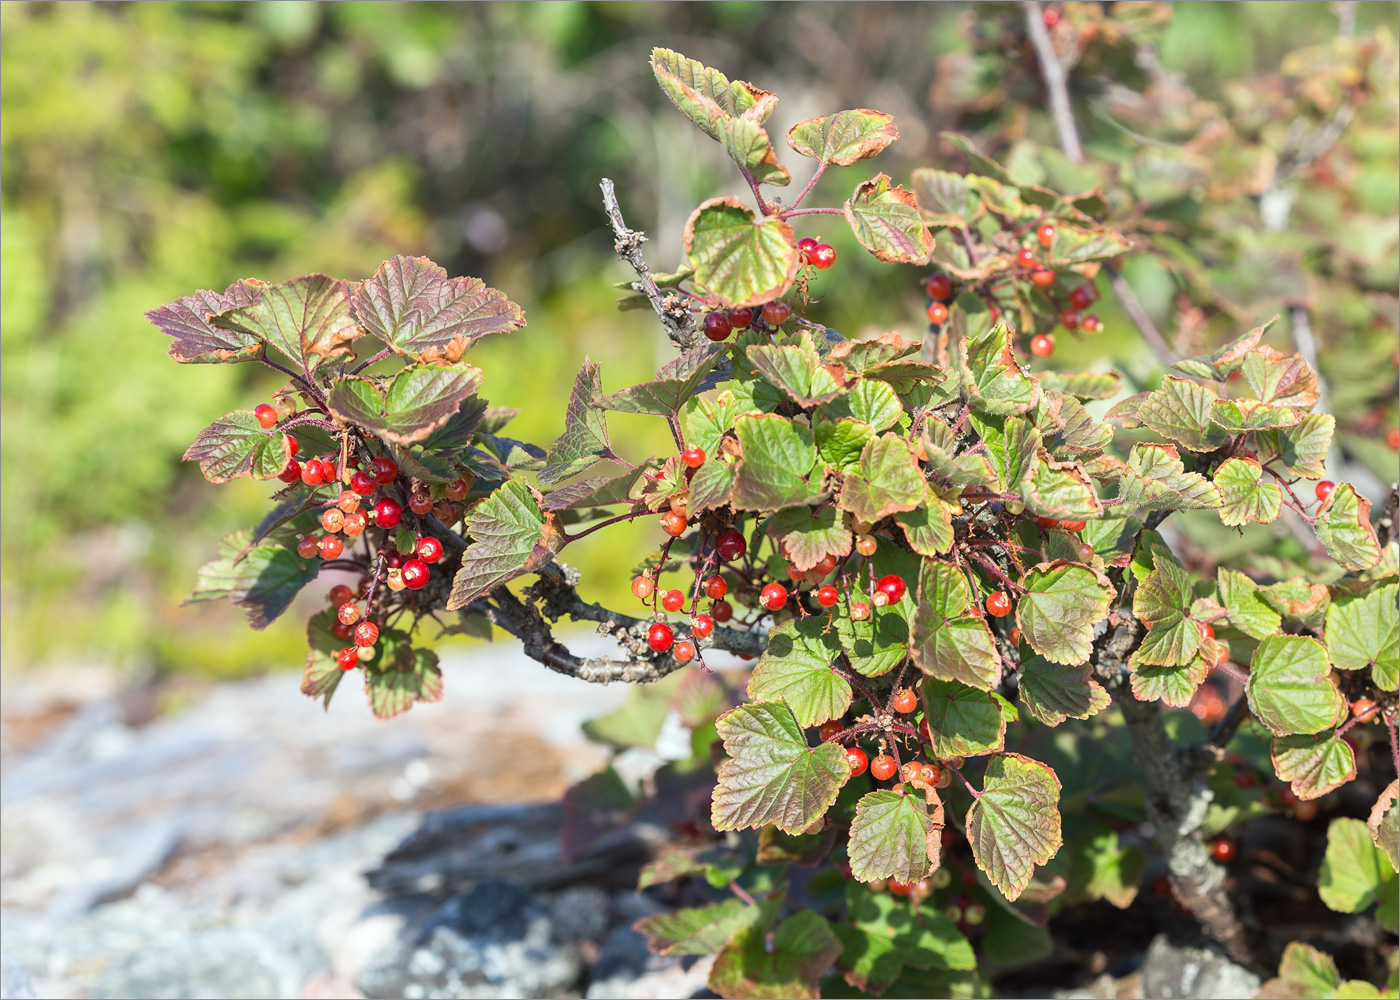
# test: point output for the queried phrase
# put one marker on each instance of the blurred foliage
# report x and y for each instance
(146, 149)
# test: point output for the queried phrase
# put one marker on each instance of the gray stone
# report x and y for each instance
(1194, 971)
(233, 962)
(673, 978)
(625, 953)
(580, 913)
(15, 983)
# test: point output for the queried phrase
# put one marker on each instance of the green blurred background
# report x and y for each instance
(147, 150)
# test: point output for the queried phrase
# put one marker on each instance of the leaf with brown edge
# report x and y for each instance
(845, 137)
(859, 357)
(199, 342)
(1062, 604)
(1083, 385)
(1225, 361)
(510, 537)
(706, 96)
(1384, 823)
(946, 642)
(1245, 416)
(748, 145)
(1313, 764)
(1344, 529)
(1172, 685)
(1364, 632)
(416, 401)
(1054, 692)
(885, 219)
(584, 441)
(419, 312)
(1156, 479)
(1287, 381)
(778, 455)
(796, 669)
(886, 480)
(739, 261)
(1162, 603)
(237, 445)
(308, 319)
(889, 837)
(1181, 410)
(963, 721)
(393, 687)
(1302, 449)
(929, 529)
(1062, 490)
(1243, 496)
(1014, 823)
(946, 199)
(808, 536)
(322, 674)
(799, 371)
(1291, 687)
(991, 376)
(790, 965)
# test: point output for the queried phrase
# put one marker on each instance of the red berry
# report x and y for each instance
(1042, 345)
(458, 488)
(1244, 779)
(998, 604)
(897, 888)
(342, 630)
(805, 248)
(740, 319)
(355, 522)
(420, 503)
(366, 633)
(362, 483)
(327, 470)
(1091, 324)
(311, 472)
(1047, 522)
(340, 594)
(716, 588)
(1043, 278)
(1072, 525)
(827, 596)
(684, 651)
(938, 286)
(892, 587)
(1364, 710)
(730, 545)
(937, 313)
(660, 637)
(291, 473)
(824, 566)
(905, 701)
(722, 611)
(384, 469)
(1392, 440)
(673, 524)
(429, 549)
(773, 596)
(1080, 298)
(1324, 490)
(1050, 17)
(266, 415)
(387, 512)
(394, 559)
(975, 610)
(1207, 632)
(1045, 234)
(331, 546)
(307, 547)
(883, 767)
(415, 574)
(292, 443)
(693, 457)
(1223, 850)
(830, 730)
(860, 611)
(856, 760)
(701, 626)
(1069, 319)
(348, 613)
(347, 658)
(717, 325)
(1026, 257)
(776, 313)
(673, 600)
(823, 256)
(794, 574)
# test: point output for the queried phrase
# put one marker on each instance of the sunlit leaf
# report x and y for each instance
(886, 221)
(1291, 687)
(1014, 824)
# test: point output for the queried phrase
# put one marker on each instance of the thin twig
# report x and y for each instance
(816, 176)
(674, 316)
(1056, 83)
(1132, 305)
(371, 360)
(812, 211)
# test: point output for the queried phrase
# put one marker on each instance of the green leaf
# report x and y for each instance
(889, 837)
(864, 357)
(412, 676)
(197, 341)
(1279, 380)
(1307, 974)
(1013, 444)
(928, 529)
(796, 668)
(637, 723)
(875, 646)
(711, 486)
(992, 379)
(748, 145)
(1061, 490)
(509, 537)
(1246, 610)
(872, 402)
(809, 536)
(886, 221)
(885, 936)
(1225, 361)
(791, 965)
(1243, 498)
(1180, 410)
(798, 371)
(1365, 632)
(702, 930)
(237, 445)
(322, 674)
(1101, 869)
(1344, 529)
(1062, 604)
(946, 200)
(584, 442)
(1073, 245)
(675, 384)
(970, 468)
(1014, 824)
(418, 400)
(840, 442)
(706, 421)
(887, 480)
(1053, 692)
(1162, 603)
(963, 721)
(772, 776)
(601, 491)
(1156, 479)
(307, 319)
(1291, 687)
(778, 455)
(1355, 872)
(1384, 823)
(1084, 385)
(706, 96)
(1173, 685)
(413, 306)
(1313, 764)
(262, 579)
(1244, 416)
(737, 260)
(845, 137)
(1302, 449)
(947, 643)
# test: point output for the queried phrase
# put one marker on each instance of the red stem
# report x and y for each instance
(821, 169)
